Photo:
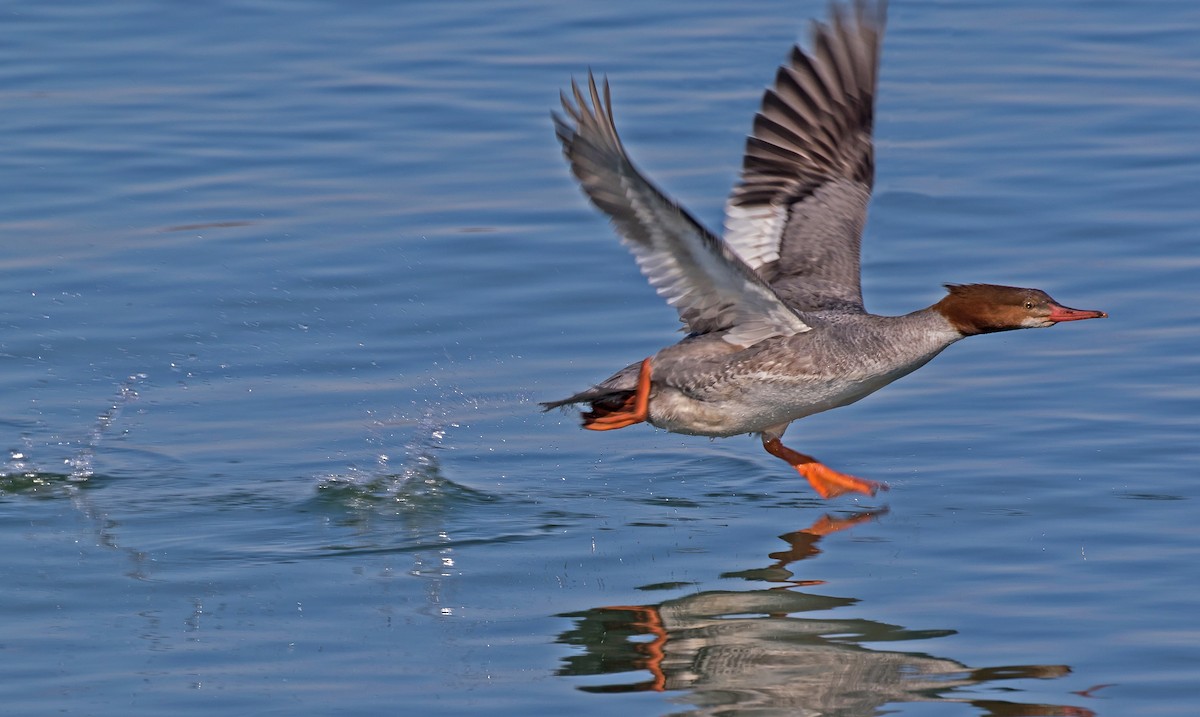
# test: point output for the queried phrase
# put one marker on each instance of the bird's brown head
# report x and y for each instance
(987, 308)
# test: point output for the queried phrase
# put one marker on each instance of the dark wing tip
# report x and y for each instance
(819, 113)
(587, 113)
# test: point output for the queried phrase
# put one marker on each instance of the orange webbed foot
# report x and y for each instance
(826, 481)
(635, 409)
(830, 483)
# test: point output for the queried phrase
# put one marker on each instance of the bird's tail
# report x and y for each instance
(614, 395)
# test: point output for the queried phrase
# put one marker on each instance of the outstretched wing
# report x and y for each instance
(798, 212)
(710, 287)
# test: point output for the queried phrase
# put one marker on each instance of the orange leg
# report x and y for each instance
(635, 409)
(825, 480)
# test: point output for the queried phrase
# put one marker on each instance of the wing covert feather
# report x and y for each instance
(707, 283)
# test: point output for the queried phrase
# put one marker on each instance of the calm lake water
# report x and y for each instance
(283, 282)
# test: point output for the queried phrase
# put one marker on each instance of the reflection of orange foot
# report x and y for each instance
(648, 621)
(802, 544)
(635, 409)
(825, 480)
(827, 523)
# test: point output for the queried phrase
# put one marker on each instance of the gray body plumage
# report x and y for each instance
(706, 386)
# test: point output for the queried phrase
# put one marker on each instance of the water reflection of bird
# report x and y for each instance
(733, 652)
(774, 310)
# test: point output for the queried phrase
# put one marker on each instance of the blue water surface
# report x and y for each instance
(283, 283)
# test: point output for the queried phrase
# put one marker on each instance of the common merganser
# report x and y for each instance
(774, 312)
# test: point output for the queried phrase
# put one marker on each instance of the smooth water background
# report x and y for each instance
(282, 283)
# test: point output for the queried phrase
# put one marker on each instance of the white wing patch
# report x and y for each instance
(753, 231)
